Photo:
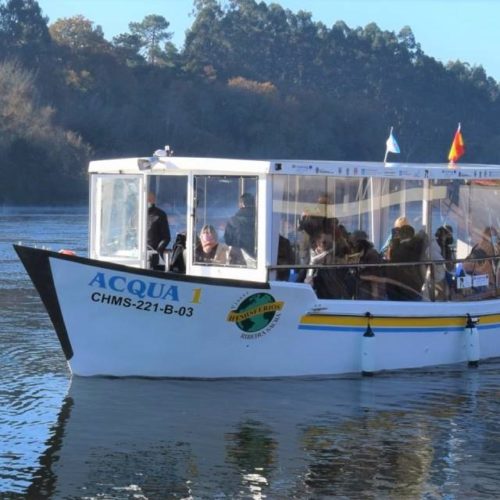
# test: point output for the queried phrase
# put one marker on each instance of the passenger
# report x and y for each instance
(316, 221)
(435, 281)
(178, 258)
(285, 256)
(303, 253)
(341, 241)
(368, 283)
(329, 283)
(484, 248)
(398, 223)
(240, 228)
(209, 249)
(312, 224)
(405, 282)
(401, 221)
(444, 239)
(321, 252)
(158, 230)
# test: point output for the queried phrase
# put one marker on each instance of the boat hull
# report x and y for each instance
(113, 320)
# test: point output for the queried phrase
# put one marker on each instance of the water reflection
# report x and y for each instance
(251, 449)
(34, 378)
(414, 435)
(417, 435)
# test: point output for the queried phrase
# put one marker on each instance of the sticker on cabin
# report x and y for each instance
(256, 314)
(475, 281)
(464, 282)
(480, 280)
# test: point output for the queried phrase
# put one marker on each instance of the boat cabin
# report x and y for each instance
(352, 230)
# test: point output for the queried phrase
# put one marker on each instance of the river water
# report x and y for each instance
(423, 434)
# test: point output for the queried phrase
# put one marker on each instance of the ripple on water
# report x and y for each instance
(422, 434)
(33, 372)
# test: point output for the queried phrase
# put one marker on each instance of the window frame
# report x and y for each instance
(240, 273)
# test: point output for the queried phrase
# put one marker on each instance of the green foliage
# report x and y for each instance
(38, 158)
(252, 80)
(128, 48)
(151, 32)
(22, 25)
(79, 34)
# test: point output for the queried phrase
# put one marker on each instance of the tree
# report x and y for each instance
(40, 161)
(17, 96)
(151, 32)
(79, 34)
(407, 39)
(204, 47)
(23, 31)
(128, 48)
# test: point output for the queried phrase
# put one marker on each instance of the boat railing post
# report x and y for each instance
(472, 341)
(368, 350)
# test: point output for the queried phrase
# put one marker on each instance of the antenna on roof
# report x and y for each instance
(164, 152)
(147, 164)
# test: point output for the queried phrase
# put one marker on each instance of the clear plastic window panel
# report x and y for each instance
(119, 217)
(171, 194)
(312, 211)
(417, 230)
(225, 223)
(466, 222)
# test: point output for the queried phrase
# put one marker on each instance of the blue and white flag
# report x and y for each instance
(391, 145)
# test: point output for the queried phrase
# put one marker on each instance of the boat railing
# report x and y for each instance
(385, 278)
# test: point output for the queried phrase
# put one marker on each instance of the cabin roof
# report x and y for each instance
(221, 166)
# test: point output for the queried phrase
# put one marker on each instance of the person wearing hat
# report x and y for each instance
(209, 249)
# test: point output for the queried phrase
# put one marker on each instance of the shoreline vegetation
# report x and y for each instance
(251, 80)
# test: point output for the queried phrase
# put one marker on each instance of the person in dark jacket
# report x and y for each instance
(329, 282)
(158, 228)
(406, 280)
(240, 228)
(368, 283)
(316, 220)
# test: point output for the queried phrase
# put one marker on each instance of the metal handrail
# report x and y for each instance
(382, 263)
(428, 263)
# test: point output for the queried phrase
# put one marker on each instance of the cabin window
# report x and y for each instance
(170, 192)
(399, 202)
(427, 239)
(166, 222)
(225, 221)
(305, 208)
(466, 223)
(119, 217)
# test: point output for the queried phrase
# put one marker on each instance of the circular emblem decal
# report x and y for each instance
(255, 312)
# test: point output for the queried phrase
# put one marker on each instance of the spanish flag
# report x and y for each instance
(457, 146)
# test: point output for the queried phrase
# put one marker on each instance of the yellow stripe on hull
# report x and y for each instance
(394, 322)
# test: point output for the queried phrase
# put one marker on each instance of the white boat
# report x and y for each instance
(241, 311)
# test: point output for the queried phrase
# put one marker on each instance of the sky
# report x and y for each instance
(448, 30)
